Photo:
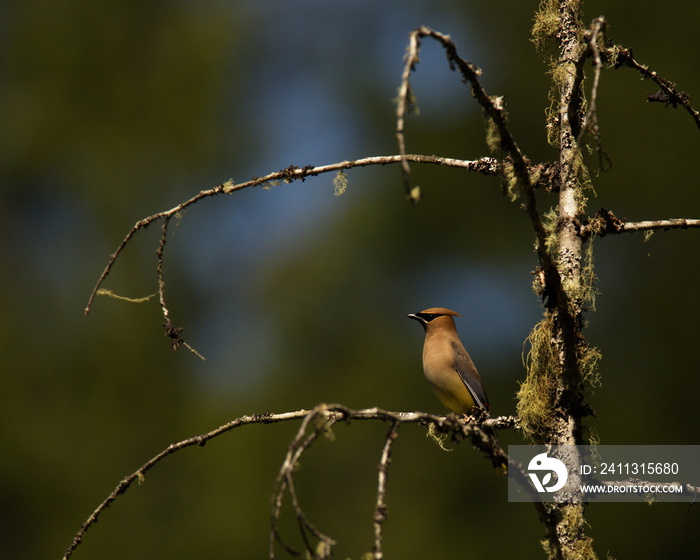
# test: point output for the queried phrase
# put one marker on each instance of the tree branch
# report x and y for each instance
(321, 417)
(667, 94)
(494, 110)
(555, 382)
(406, 104)
(606, 223)
(485, 166)
(285, 482)
(590, 121)
(567, 320)
(171, 331)
(380, 507)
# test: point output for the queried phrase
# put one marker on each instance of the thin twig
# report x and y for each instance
(597, 28)
(607, 223)
(171, 331)
(159, 269)
(140, 473)
(404, 105)
(485, 166)
(667, 94)
(494, 108)
(673, 223)
(285, 482)
(380, 507)
(590, 120)
(332, 411)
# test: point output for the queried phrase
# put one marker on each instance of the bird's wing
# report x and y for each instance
(467, 371)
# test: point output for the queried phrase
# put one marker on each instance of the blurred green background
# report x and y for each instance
(117, 109)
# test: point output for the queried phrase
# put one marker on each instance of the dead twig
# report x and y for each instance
(667, 94)
(485, 166)
(325, 415)
(515, 163)
(171, 331)
(606, 222)
(590, 120)
(285, 483)
(380, 507)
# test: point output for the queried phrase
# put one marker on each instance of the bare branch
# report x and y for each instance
(325, 413)
(597, 28)
(667, 94)
(159, 270)
(380, 507)
(171, 331)
(140, 473)
(485, 166)
(590, 120)
(405, 104)
(493, 106)
(606, 223)
(673, 223)
(285, 482)
(494, 109)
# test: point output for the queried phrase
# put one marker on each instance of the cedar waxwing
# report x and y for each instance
(446, 364)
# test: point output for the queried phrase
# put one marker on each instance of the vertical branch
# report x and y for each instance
(566, 538)
(405, 104)
(380, 507)
(514, 169)
(568, 317)
(550, 402)
(171, 331)
(570, 104)
(285, 483)
(590, 121)
(159, 272)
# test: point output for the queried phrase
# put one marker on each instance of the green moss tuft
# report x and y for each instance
(438, 437)
(550, 221)
(536, 394)
(510, 182)
(546, 25)
(340, 183)
(571, 532)
(493, 137)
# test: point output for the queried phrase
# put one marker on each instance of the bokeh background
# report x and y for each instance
(117, 109)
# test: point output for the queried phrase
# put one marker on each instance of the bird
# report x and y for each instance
(449, 369)
(451, 373)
